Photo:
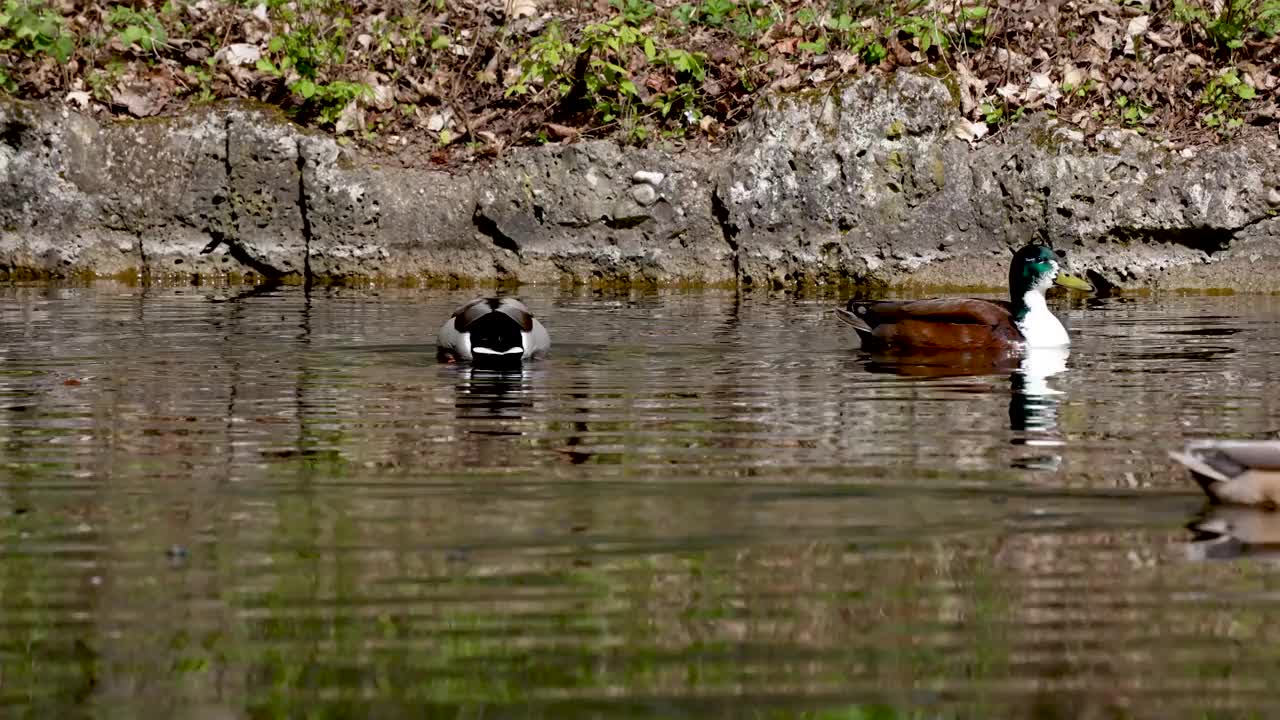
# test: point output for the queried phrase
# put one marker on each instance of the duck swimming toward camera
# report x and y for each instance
(971, 324)
(492, 332)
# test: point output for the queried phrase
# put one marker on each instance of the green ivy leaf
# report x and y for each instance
(305, 88)
(817, 47)
(1246, 92)
(132, 34)
(62, 48)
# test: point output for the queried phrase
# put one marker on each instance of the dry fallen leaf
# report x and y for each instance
(968, 131)
(521, 8)
(900, 54)
(351, 118)
(489, 75)
(1042, 91)
(971, 88)
(138, 100)
(1072, 77)
(788, 82)
(239, 54)
(1137, 27)
(1163, 41)
(1104, 34)
(381, 93)
(80, 98)
(786, 46)
(562, 131)
(846, 61)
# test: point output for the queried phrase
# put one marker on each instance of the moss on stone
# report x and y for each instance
(941, 71)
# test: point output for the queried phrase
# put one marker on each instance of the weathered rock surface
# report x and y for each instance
(868, 183)
(872, 183)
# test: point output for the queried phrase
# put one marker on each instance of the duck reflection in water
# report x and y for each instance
(1033, 405)
(1227, 532)
(1033, 402)
(489, 394)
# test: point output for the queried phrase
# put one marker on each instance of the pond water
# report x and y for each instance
(702, 504)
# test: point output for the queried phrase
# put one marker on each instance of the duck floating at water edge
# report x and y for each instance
(492, 332)
(1235, 472)
(971, 324)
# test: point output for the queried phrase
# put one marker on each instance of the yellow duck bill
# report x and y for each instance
(1073, 282)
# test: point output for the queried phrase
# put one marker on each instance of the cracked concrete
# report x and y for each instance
(863, 184)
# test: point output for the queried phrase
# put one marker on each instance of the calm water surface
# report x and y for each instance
(702, 505)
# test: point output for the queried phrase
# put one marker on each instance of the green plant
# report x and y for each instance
(714, 12)
(100, 81)
(747, 19)
(996, 114)
(991, 113)
(924, 30)
(873, 53)
(32, 28)
(311, 51)
(1224, 95)
(817, 47)
(972, 28)
(1079, 90)
(841, 24)
(1234, 22)
(749, 25)
(542, 63)
(634, 11)
(304, 50)
(1132, 110)
(203, 77)
(132, 27)
(599, 70)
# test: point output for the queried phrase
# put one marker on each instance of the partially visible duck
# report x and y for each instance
(492, 332)
(1237, 472)
(971, 324)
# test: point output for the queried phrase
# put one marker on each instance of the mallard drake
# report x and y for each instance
(491, 332)
(971, 324)
(1238, 472)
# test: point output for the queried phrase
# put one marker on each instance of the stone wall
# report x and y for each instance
(869, 183)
